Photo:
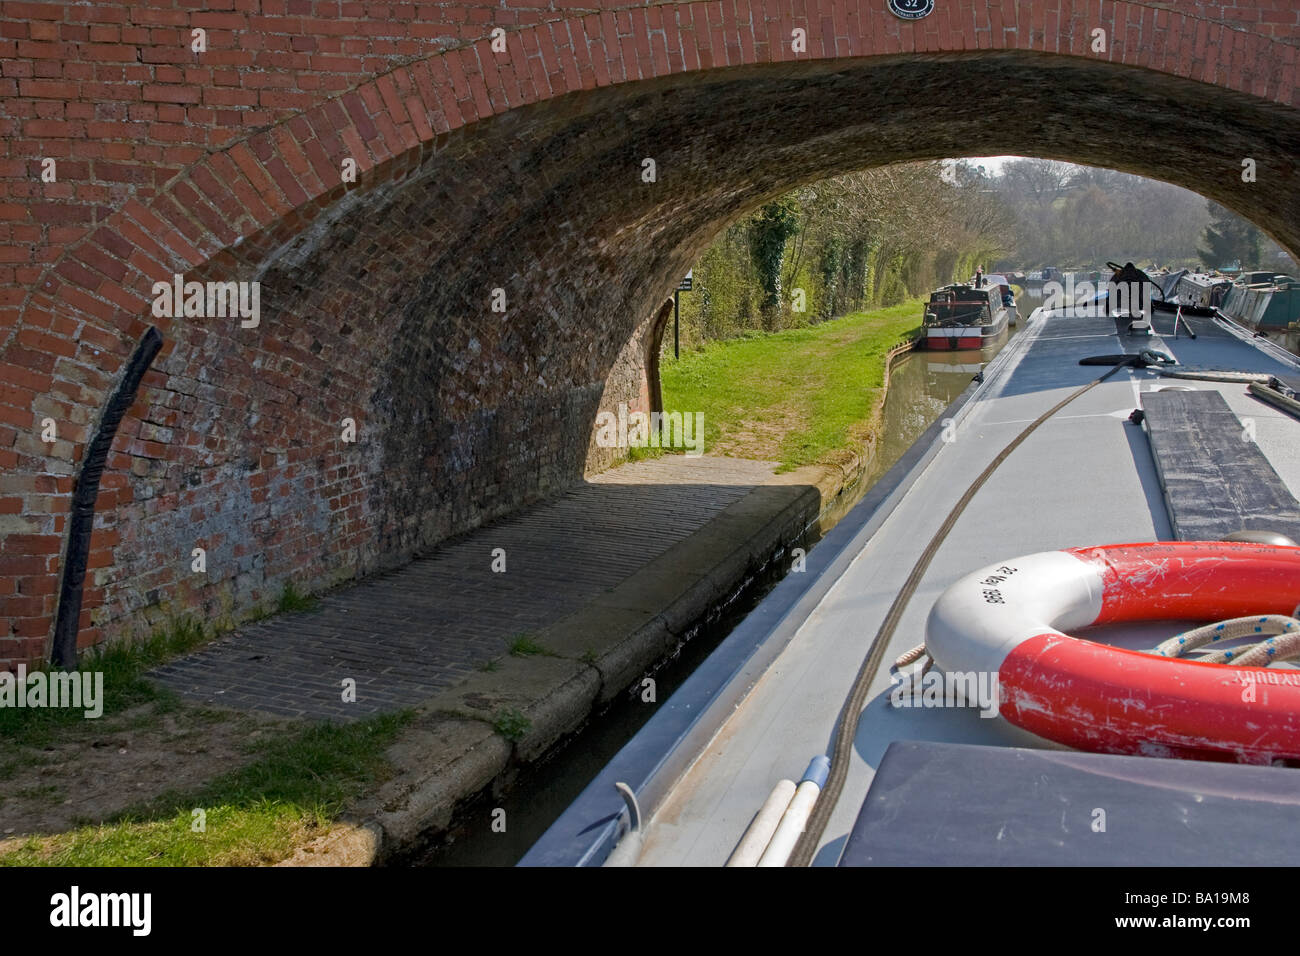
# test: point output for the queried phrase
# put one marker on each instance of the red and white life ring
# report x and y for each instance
(1009, 618)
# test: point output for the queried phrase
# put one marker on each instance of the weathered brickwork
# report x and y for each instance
(519, 171)
(633, 381)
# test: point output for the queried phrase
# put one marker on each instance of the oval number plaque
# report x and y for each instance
(911, 9)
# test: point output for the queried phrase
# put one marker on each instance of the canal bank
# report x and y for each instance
(496, 757)
(597, 587)
(458, 767)
(520, 789)
(923, 386)
(632, 577)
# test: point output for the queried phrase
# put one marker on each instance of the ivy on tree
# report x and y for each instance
(768, 233)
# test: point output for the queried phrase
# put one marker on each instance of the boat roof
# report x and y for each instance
(1207, 278)
(767, 700)
(966, 288)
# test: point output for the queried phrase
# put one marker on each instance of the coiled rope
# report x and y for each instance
(1281, 643)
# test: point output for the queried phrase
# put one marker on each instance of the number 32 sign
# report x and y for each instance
(911, 9)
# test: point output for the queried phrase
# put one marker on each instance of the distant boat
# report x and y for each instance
(1202, 290)
(967, 316)
(1264, 302)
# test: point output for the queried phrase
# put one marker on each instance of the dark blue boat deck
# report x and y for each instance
(939, 804)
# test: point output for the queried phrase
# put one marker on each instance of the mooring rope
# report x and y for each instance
(910, 657)
(1215, 375)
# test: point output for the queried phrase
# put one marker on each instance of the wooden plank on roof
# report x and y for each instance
(1215, 479)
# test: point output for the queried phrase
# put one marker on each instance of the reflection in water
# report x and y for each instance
(921, 386)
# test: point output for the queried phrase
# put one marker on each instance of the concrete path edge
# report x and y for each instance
(456, 747)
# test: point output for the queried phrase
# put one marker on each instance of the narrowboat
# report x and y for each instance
(1060, 631)
(968, 315)
(1265, 303)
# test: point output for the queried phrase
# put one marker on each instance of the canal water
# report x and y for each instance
(921, 386)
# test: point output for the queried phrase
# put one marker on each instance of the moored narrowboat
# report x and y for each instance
(968, 315)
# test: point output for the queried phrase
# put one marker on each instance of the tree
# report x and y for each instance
(1229, 239)
(775, 223)
(873, 237)
(1074, 217)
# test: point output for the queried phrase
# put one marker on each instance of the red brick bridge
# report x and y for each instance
(494, 167)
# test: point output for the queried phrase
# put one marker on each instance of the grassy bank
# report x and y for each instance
(294, 788)
(796, 397)
(123, 666)
(158, 781)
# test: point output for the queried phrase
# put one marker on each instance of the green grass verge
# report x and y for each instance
(295, 786)
(512, 723)
(123, 666)
(293, 601)
(796, 396)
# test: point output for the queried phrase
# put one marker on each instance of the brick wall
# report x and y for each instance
(478, 171)
(630, 383)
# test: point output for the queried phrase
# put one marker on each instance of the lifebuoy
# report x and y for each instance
(1009, 619)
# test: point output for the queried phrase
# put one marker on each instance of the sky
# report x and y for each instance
(992, 163)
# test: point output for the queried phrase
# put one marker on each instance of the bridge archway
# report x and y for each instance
(377, 297)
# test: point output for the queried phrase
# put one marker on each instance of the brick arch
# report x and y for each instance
(650, 357)
(633, 381)
(273, 203)
(280, 179)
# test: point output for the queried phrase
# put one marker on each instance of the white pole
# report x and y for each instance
(796, 815)
(760, 831)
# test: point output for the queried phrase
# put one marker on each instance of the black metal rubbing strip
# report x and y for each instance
(81, 522)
